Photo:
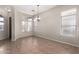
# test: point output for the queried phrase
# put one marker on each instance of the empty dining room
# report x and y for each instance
(39, 29)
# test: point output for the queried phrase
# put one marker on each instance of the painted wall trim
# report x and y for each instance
(40, 35)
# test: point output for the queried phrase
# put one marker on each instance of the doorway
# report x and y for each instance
(10, 28)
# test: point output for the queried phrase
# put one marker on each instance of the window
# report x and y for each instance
(27, 25)
(68, 24)
(35, 22)
(1, 23)
(24, 26)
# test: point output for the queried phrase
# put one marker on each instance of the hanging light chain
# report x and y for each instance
(38, 18)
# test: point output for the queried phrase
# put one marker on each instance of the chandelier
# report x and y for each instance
(36, 16)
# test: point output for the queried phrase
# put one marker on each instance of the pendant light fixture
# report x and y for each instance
(37, 16)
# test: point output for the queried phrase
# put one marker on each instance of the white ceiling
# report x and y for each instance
(28, 8)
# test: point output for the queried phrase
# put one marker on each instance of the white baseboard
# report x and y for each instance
(66, 43)
(58, 41)
(23, 37)
(3, 38)
(13, 39)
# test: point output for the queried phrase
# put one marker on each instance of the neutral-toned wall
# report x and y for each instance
(50, 25)
(19, 17)
(4, 34)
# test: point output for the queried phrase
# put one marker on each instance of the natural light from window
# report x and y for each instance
(1, 23)
(68, 24)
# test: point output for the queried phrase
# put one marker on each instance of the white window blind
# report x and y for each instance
(1, 23)
(27, 25)
(68, 24)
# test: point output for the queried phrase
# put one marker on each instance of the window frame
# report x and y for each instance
(62, 26)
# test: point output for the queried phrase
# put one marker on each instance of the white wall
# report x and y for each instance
(50, 25)
(4, 34)
(19, 17)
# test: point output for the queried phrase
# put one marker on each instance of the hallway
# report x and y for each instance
(35, 45)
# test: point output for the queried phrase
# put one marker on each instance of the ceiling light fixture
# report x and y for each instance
(37, 16)
(8, 9)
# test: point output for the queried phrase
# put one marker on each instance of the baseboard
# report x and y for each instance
(58, 41)
(24, 37)
(13, 40)
(66, 43)
(4, 39)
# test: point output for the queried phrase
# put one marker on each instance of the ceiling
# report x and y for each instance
(28, 8)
